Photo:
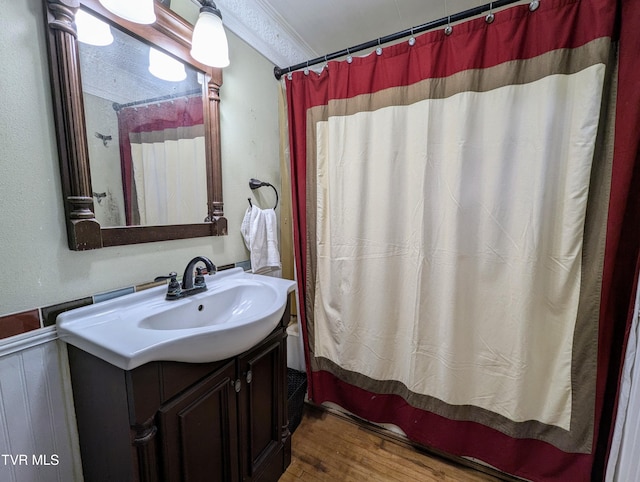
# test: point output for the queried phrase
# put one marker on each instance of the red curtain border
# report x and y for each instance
(510, 26)
(622, 255)
(531, 459)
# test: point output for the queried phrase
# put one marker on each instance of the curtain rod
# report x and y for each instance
(154, 100)
(278, 72)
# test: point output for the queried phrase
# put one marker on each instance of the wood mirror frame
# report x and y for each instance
(171, 33)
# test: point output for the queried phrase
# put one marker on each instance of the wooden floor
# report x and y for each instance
(328, 447)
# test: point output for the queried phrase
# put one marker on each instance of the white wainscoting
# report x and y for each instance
(38, 437)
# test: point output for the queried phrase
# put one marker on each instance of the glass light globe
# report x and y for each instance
(92, 30)
(165, 67)
(209, 42)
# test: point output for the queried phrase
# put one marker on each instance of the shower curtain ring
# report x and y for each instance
(379, 49)
(490, 17)
(533, 6)
(448, 29)
(349, 57)
(412, 39)
(306, 69)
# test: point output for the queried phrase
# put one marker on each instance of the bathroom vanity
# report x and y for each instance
(176, 421)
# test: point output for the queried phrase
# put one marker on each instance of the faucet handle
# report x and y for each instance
(171, 276)
(174, 290)
(199, 279)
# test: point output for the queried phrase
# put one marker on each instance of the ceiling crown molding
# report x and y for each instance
(261, 27)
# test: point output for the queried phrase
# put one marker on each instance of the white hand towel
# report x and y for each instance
(245, 228)
(259, 231)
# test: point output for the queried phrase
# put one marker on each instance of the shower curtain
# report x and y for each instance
(464, 213)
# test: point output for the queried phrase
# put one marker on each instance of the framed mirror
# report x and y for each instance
(139, 148)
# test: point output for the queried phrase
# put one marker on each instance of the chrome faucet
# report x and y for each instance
(190, 284)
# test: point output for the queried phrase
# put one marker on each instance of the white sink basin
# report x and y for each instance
(237, 311)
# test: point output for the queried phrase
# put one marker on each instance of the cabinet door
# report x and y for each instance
(198, 431)
(260, 409)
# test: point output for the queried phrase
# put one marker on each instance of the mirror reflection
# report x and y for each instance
(145, 132)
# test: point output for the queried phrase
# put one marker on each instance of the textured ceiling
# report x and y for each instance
(333, 25)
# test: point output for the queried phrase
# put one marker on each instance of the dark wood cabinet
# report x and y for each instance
(167, 421)
(199, 431)
(261, 422)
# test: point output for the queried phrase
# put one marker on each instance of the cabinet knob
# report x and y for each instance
(238, 385)
(249, 376)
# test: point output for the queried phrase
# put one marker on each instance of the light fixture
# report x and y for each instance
(165, 67)
(92, 30)
(137, 11)
(209, 42)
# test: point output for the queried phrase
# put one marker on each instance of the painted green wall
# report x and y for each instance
(38, 268)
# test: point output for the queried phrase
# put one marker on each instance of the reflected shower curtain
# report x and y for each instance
(152, 123)
(170, 175)
(463, 229)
